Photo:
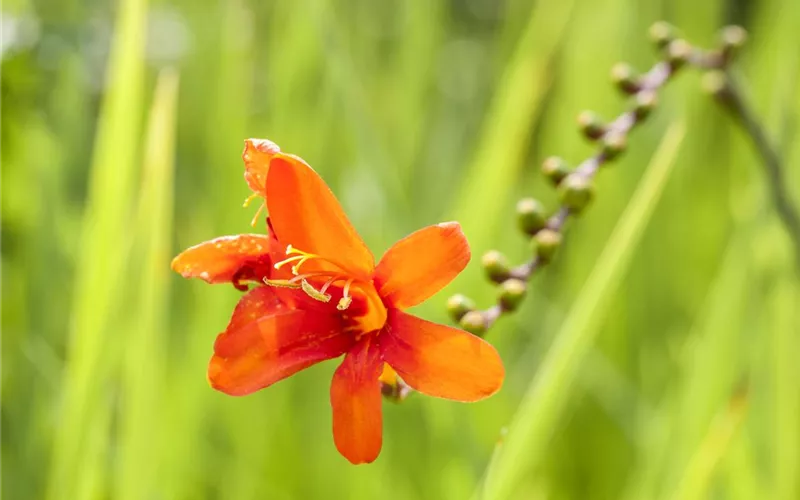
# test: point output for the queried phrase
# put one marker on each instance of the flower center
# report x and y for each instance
(297, 258)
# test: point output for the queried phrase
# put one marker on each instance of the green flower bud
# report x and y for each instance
(546, 242)
(512, 291)
(395, 391)
(733, 38)
(613, 144)
(474, 322)
(678, 52)
(662, 33)
(591, 125)
(576, 192)
(458, 305)
(530, 215)
(625, 78)
(716, 84)
(645, 102)
(496, 266)
(555, 169)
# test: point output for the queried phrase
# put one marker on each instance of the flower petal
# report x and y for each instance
(440, 361)
(243, 256)
(356, 403)
(257, 155)
(266, 342)
(306, 214)
(420, 264)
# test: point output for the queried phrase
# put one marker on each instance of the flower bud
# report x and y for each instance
(530, 215)
(458, 305)
(644, 102)
(733, 38)
(512, 291)
(555, 169)
(591, 125)
(474, 322)
(678, 52)
(716, 84)
(625, 78)
(576, 192)
(662, 33)
(546, 242)
(395, 393)
(496, 266)
(613, 144)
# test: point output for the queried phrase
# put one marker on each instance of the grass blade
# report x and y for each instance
(99, 264)
(143, 362)
(503, 144)
(699, 472)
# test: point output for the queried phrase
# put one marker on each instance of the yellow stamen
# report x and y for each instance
(297, 258)
(346, 299)
(249, 200)
(300, 257)
(281, 283)
(258, 212)
(280, 264)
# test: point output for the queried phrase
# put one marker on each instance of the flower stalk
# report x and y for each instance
(575, 186)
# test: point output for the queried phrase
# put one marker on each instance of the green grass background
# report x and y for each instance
(655, 358)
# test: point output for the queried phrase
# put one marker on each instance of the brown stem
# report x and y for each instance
(735, 102)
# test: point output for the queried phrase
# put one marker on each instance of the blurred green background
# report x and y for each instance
(668, 372)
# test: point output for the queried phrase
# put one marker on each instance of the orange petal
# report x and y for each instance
(420, 264)
(244, 256)
(440, 361)
(266, 342)
(256, 155)
(356, 403)
(306, 214)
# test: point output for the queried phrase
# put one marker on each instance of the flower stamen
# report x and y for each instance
(313, 292)
(297, 258)
(254, 221)
(346, 299)
(329, 283)
(281, 283)
(249, 200)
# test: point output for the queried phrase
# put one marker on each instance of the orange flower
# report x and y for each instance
(319, 295)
